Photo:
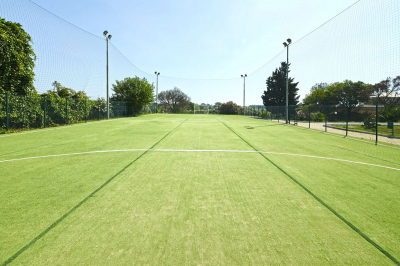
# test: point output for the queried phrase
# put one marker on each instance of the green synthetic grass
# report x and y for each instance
(197, 207)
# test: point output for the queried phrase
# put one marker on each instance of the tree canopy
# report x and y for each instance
(387, 92)
(136, 92)
(174, 101)
(346, 93)
(17, 59)
(275, 95)
(229, 108)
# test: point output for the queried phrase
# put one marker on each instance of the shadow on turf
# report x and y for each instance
(19, 252)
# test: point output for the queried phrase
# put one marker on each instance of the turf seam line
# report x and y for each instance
(54, 224)
(387, 254)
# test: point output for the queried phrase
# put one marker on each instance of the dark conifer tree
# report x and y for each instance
(275, 95)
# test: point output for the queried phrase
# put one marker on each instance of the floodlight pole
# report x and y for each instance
(244, 91)
(286, 44)
(108, 104)
(108, 37)
(157, 74)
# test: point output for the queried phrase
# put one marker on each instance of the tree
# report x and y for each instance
(136, 92)
(217, 104)
(319, 86)
(17, 59)
(387, 92)
(347, 93)
(174, 100)
(275, 95)
(229, 108)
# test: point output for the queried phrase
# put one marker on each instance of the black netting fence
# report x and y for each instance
(377, 123)
(19, 112)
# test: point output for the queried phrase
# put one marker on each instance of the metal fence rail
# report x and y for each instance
(373, 122)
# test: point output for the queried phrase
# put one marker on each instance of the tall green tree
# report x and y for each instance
(275, 95)
(175, 101)
(17, 59)
(136, 92)
(348, 93)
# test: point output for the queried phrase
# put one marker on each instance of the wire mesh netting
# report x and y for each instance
(361, 45)
(376, 123)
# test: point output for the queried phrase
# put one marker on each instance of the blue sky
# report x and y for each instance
(194, 42)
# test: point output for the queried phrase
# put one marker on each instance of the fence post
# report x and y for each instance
(347, 120)
(326, 128)
(7, 114)
(45, 112)
(309, 116)
(376, 126)
(85, 110)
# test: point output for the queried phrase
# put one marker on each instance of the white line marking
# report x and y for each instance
(199, 121)
(171, 150)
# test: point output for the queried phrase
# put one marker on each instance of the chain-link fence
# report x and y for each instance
(372, 122)
(19, 112)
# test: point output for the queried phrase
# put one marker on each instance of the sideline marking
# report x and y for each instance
(172, 150)
(200, 121)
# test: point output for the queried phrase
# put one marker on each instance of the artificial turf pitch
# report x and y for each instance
(197, 190)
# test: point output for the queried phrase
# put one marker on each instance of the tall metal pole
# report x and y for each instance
(157, 73)
(244, 92)
(157, 95)
(108, 104)
(287, 86)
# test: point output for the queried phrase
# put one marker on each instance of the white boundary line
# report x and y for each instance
(230, 151)
(200, 121)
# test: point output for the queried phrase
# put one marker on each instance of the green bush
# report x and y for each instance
(317, 117)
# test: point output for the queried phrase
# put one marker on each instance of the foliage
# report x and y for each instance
(387, 92)
(175, 101)
(136, 92)
(229, 108)
(17, 59)
(347, 93)
(319, 86)
(275, 94)
(317, 117)
(369, 123)
(33, 111)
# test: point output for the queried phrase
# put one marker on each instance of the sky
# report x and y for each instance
(203, 47)
(198, 39)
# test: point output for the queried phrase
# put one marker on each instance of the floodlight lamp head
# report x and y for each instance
(155, 72)
(285, 44)
(245, 75)
(109, 37)
(105, 33)
(158, 73)
(289, 41)
(241, 76)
